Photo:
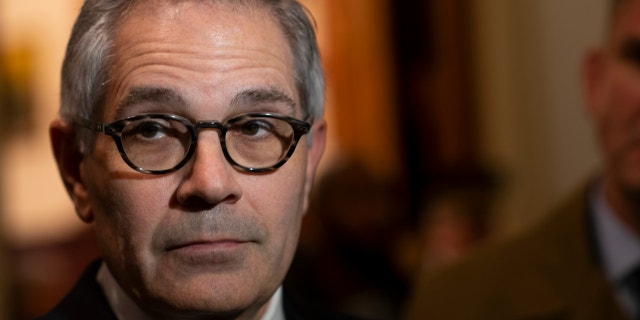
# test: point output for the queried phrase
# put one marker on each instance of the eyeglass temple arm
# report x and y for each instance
(90, 124)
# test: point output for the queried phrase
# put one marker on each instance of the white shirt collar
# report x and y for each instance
(275, 311)
(125, 309)
(619, 246)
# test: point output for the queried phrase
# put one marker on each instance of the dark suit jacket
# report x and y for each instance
(550, 272)
(86, 301)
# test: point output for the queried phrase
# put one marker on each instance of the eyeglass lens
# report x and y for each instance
(159, 143)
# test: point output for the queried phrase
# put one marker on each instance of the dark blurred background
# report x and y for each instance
(451, 122)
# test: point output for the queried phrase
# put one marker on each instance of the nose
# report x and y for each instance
(209, 178)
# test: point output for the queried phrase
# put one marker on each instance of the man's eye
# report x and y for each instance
(631, 52)
(149, 130)
(253, 128)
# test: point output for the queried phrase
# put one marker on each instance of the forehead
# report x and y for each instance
(199, 44)
(217, 24)
(207, 14)
(626, 22)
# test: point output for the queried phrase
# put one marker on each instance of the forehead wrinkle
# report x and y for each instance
(167, 18)
(138, 95)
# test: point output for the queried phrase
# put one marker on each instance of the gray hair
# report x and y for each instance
(86, 63)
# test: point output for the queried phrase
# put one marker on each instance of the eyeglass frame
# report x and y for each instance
(114, 130)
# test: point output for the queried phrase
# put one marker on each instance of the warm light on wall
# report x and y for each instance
(355, 42)
(35, 206)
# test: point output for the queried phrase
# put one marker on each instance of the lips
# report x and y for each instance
(218, 254)
(215, 233)
(207, 244)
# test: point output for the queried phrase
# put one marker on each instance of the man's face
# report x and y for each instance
(613, 95)
(206, 238)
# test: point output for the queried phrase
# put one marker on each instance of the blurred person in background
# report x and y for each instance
(583, 261)
(352, 240)
(188, 135)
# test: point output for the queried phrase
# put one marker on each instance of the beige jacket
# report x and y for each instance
(549, 272)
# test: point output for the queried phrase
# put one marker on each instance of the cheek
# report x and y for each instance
(625, 93)
(278, 197)
(621, 112)
(126, 213)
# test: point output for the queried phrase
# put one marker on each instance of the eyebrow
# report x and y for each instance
(158, 95)
(253, 97)
(169, 97)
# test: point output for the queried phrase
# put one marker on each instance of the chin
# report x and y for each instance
(205, 305)
(211, 294)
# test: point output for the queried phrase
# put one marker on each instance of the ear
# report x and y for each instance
(593, 73)
(69, 159)
(315, 151)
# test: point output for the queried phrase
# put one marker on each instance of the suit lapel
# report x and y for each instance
(85, 300)
(571, 266)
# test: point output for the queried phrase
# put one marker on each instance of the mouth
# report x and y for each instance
(219, 253)
(219, 244)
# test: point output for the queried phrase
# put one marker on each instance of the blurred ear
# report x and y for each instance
(315, 151)
(69, 159)
(593, 73)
